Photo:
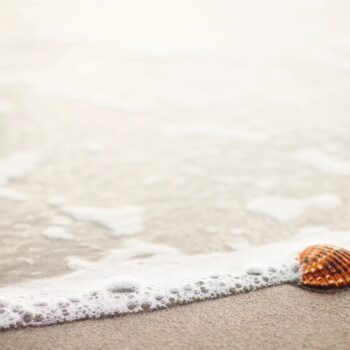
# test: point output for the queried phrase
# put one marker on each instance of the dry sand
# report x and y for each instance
(284, 317)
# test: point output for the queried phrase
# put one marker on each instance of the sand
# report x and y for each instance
(284, 317)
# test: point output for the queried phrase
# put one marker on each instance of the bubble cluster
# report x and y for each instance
(119, 285)
(125, 296)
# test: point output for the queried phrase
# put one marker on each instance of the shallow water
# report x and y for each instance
(223, 132)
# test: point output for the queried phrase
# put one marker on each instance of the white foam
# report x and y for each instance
(75, 263)
(120, 221)
(239, 245)
(325, 201)
(8, 193)
(323, 162)
(284, 208)
(17, 166)
(57, 233)
(142, 276)
(210, 130)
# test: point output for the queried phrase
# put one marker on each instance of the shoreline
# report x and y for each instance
(142, 285)
(285, 316)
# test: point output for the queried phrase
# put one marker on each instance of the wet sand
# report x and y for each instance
(284, 317)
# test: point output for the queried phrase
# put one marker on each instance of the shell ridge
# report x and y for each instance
(325, 266)
(335, 272)
(340, 263)
(344, 268)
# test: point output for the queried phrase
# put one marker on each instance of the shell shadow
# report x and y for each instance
(324, 290)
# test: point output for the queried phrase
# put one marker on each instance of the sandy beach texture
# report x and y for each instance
(284, 317)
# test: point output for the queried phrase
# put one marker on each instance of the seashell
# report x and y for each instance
(325, 266)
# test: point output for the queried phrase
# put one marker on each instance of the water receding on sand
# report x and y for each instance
(142, 168)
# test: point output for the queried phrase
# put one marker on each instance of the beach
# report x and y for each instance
(285, 317)
(162, 166)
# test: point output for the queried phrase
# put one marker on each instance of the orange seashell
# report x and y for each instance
(325, 266)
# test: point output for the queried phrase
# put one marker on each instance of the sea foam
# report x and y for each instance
(284, 208)
(142, 276)
(17, 166)
(57, 233)
(13, 195)
(323, 162)
(119, 221)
